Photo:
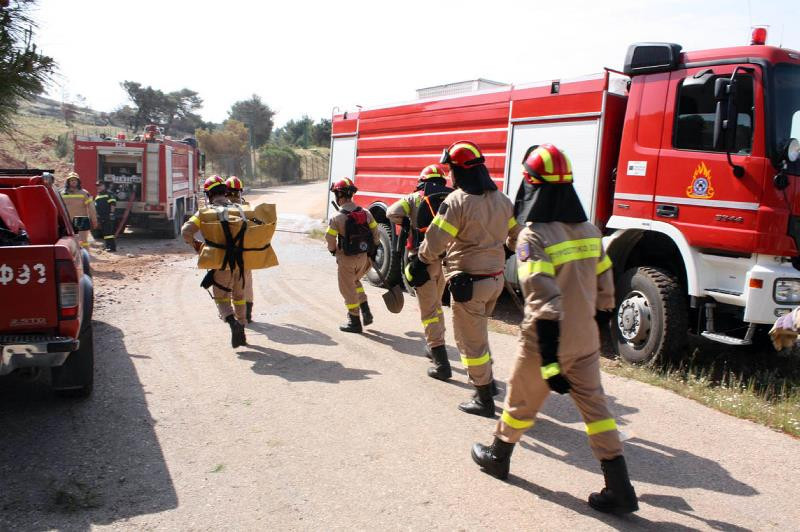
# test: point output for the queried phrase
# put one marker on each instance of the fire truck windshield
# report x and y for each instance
(787, 107)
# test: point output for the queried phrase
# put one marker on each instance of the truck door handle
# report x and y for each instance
(667, 211)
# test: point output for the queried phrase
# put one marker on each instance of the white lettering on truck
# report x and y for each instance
(23, 274)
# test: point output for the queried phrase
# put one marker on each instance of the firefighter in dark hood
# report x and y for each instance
(469, 231)
(105, 204)
(568, 284)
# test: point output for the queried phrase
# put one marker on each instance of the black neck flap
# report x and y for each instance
(548, 203)
(475, 180)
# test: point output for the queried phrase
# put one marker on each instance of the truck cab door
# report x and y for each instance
(696, 189)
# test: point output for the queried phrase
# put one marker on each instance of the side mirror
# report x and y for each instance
(81, 223)
(723, 93)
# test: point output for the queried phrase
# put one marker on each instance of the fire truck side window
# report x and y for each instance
(694, 120)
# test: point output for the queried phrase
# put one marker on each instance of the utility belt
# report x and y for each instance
(461, 284)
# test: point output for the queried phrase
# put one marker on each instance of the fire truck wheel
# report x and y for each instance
(383, 260)
(75, 378)
(650, 322)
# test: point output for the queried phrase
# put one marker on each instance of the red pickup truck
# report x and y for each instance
(46, 291)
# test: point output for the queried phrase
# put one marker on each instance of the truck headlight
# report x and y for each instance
(786, 291)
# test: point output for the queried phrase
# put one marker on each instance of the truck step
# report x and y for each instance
(725, 339)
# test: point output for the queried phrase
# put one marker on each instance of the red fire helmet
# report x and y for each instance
(234, 183)
(213, 182)
(433, 171)
(345, 186)
(544, 163)
(462, 153)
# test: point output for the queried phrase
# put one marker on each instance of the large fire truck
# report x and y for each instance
(154, 178)
(688, 162)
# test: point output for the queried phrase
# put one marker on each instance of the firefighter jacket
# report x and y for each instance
(104, 205)
(337, 223)
(565, 275)
(79, 203)
(470, 230)
(407, 207)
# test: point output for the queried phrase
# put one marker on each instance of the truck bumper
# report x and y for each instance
(23, 351)
(760, 305)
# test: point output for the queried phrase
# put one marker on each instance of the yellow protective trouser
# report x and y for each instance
(232, 302)
(248, 288)
(429, 297)
(471, 328)
(351, 269)
(527, 392)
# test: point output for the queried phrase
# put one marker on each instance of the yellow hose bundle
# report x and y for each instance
(254, 246)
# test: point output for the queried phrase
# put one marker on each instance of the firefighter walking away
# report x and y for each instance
(105, 205)
(235, 189)
(352, 238)
(567, 281)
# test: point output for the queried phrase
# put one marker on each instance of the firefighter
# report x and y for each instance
(105, 204)
(79, 205)
(235, 187)
(352, 238)
(469, 230)
(227, 285)
(568, 284)
(429, 295)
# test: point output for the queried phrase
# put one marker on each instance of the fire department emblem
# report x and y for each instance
(701, 183)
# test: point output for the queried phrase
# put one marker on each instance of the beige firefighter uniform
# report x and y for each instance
(469, 232)
(429, 295)
(351, 268)
(565, 275)
(229, 286)
(79, 203)
(248, 274)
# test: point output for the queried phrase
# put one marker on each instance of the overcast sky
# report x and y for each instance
(305, 57)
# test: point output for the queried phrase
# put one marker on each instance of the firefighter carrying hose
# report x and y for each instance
(235, 187)
(105, 204)
(568, 284)
(79, 205)
(416, 211)
(471, 226)
(227, 285)
(352, 238)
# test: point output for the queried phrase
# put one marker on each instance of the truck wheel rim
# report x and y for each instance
(633, 319)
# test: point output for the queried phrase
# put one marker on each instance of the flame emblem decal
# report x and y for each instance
(701, 183)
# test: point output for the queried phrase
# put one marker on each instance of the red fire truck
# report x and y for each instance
(688, 161)
(153, 177)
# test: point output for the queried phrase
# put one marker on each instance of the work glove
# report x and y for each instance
(417, 272)
(332, 252)
(548, 331)
(197, 245)
(603, 320)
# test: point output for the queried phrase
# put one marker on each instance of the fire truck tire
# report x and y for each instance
(75, 378)
(383, 260)
(174, 227)
(650, 323)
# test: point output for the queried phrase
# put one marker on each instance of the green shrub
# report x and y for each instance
(279, 162)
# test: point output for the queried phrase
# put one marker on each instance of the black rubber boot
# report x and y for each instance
(428, 353)
(494, 459)
(482, 404)
(353, 324)
(365, 313)
(618, 497)
(238, 338)
(441, 369)
(249, 306)
(112, 245)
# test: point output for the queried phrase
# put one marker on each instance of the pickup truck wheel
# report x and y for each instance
(650, 322)
(390, 269)
(75, 378)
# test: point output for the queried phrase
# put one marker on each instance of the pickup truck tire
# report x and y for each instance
(75, 378)
(650, 322)
(87, 268)
(390, 269)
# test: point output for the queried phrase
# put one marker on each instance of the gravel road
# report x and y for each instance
(308, 428)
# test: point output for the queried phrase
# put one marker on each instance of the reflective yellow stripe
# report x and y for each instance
(528, 268)
(604, 425)
(409, 277)
(373, 224)
(88, 201)
(351, 306)
(108, 236)
(547, 159)
(475, 152)
(100, 197)
(603, 265)
(195, 220)
(571, 250)
(512, 222)
(566, 178)
(333, 232)
(73, 196)
(440, 222)
(515, 423)
(239, 302)
(406, 207)
(84, 244)
(439, 311)
(359, 290)
(550, 370)
(222, 299)
(427, 322)
(480, 361)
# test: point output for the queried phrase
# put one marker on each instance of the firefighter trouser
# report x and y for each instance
(83, 239)
(471, 328)
(351, 269)
(527, 392)
(248, 286)
(429, 297)
(107, 228)
(233, 301)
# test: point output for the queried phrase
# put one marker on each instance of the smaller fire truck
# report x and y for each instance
(154, 178)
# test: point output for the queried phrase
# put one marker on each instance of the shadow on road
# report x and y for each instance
(67, 464)
(679, 505)
(290, 334)
(268, 361)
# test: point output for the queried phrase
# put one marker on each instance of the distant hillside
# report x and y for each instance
(46, 107)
